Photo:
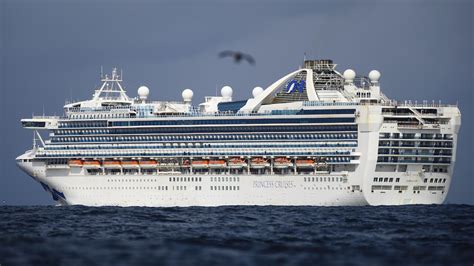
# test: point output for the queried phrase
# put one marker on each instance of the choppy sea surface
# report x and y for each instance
(78, 235)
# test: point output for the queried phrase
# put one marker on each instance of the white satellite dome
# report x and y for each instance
(187, 95)
(374, 76)
(226, 92)
(349, 75)
(143, 92)
(256, 91)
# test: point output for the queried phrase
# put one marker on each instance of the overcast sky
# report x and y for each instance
(52, 51)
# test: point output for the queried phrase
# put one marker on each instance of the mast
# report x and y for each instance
(111, 88)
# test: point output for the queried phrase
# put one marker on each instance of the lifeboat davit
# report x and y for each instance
(112, 164)
(148, 164)
(282, 162)
(168, 163)
(217, 164)
(259, 163)
(130, 164)
(305, 163)
(200, 164)
(237, 163)
(91, 164)
(75, 163)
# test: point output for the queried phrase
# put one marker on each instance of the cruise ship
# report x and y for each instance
(313, 137)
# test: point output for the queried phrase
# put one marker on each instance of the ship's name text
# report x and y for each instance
(273, 184)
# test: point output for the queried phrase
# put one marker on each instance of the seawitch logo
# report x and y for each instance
(295, 85)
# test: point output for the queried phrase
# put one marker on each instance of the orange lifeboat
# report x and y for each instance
(236, 162)
(91, 164)
(148, 164)
(112, 164)
(282, 162)
(217, 163)
(75, 163)
(200, 163)
(259, 163)
(130, 164)
(305, 163)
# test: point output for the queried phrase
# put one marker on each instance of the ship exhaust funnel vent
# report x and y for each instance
(319, 65)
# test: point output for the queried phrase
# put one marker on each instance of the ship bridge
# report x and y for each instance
(110, 93)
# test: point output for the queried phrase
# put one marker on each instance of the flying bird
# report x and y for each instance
(237, 56)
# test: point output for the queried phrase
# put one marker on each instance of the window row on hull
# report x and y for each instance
(211, 137)
(415, 152)
(210, 122)
(76, 124)
(212, 129)
(337, 133)
(299, 120)
(434, 144)
(420, 155)
(145, 113)
(203, 145)
(420, 136)
(442, 160)
(177, 152)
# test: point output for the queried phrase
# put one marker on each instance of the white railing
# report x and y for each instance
(386, 103)
(46, 117)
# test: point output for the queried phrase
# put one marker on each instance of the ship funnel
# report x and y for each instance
(321, 64)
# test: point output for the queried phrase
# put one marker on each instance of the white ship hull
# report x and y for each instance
(213, 190)
(158, 191)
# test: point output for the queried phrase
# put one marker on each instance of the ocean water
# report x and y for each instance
(77, 235)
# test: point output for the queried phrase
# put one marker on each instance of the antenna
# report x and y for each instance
(34, 139)
(101, 72)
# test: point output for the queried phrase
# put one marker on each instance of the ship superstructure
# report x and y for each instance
(314, 137)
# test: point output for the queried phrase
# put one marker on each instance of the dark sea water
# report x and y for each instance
(76, 235)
